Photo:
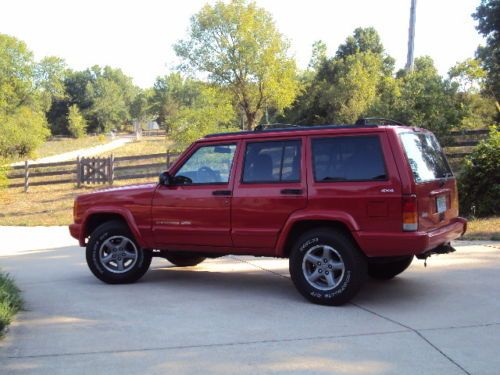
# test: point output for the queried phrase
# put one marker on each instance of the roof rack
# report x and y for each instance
(376, 121)
(275, 126)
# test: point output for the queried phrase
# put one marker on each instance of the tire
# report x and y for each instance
(388, 270)
(184, 260)
(114, 256)
(345, 264)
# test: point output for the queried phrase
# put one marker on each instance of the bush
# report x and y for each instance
(10, 300)
(77, 125)
(22, 132)
(479, 178)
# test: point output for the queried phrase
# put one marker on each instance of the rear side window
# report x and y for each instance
(348, 159)
(272, 162)
(426, 159)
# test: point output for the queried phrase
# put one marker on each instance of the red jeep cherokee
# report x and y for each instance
(340, 202)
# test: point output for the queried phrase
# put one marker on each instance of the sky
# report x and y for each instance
(137, 36)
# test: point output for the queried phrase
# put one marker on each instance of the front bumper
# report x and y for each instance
(75, 231)
(409, 243)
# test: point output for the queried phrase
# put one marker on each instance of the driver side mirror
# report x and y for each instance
(165, 179)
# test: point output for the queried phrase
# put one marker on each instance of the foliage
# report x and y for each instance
(22, 132)
(77, 125)
(239, 47)
(49, 76)
(210, 112)
(345, 86)
(488, 16)
(10, 300)
(478, 182)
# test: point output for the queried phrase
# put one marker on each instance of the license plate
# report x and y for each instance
(441, 204)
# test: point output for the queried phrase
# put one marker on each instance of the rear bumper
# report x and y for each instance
(75, 231)
(409, 243)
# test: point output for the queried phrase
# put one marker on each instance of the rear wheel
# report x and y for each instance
(184, 260)
(114, 256)
(327, 267)
(387, 270)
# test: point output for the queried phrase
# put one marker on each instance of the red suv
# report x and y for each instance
(341, 202)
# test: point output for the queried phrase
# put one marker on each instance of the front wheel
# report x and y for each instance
(114, 256)
(327, 267)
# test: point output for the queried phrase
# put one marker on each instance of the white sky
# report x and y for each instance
(137, 36)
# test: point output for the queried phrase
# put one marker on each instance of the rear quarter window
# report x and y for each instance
(425, 157)
(348, 158)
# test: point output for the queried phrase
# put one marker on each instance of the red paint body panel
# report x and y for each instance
(258, 218)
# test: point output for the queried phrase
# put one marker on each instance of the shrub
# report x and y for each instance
(22, 132)
(479, 178)
(77, 125)
(10, 300)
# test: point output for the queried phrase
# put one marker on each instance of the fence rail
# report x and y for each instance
(90, 170)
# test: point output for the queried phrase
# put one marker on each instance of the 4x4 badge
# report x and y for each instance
(387, 190)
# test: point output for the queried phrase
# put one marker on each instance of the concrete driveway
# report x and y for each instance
(242, 315)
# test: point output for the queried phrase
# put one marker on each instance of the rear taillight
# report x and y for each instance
(410, 213)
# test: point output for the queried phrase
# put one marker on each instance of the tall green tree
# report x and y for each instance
(488, 17)
(238, 46)
(49, 75)
(23, 126)
(77, 125)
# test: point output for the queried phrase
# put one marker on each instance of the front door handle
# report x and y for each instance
(221, 192)
(291, 191)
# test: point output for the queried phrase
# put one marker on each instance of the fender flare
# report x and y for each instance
(125, 214)
(298, 216)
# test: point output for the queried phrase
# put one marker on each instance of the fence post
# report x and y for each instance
(26, 176)
(78, 172)
(168, 159)
(111, 176)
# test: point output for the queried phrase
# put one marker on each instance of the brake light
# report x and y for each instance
(410, 213)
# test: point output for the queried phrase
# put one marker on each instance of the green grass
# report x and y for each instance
(147, 145)
(10, 300)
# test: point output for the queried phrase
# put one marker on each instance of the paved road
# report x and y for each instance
(242, 315)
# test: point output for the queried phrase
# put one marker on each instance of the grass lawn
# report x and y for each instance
(10, 300)
(62, 145)
(147, 145)
(483, 229)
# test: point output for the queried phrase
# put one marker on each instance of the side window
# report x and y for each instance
(272, 162)
(208, 165)
(348, 159)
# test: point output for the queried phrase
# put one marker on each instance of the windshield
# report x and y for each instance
(425, 156)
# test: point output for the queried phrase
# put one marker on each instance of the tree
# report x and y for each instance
(488, 17)
(239, 47)
(210, 112)
(345, 86)
(49, 76)
(76, 123)
(23, 126)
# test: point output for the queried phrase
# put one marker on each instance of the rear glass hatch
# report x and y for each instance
(435, 185)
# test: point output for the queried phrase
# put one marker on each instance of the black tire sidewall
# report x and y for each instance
(97, 238)
(184, 260)
(354, 263)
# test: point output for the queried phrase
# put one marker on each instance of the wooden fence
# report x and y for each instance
(107, 170)
(90, 170)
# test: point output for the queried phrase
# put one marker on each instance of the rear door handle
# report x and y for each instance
(221, 192)
(291, 191)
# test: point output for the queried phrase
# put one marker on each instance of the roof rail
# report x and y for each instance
(274, 126)
(377, 121)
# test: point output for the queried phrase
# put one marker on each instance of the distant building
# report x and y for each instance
(152, 125)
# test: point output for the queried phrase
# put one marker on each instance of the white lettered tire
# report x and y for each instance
(326, 266)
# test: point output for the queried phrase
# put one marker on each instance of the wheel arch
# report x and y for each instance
(295, 228)
(94, 218)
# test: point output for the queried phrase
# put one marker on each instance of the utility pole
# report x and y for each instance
(411, 36)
